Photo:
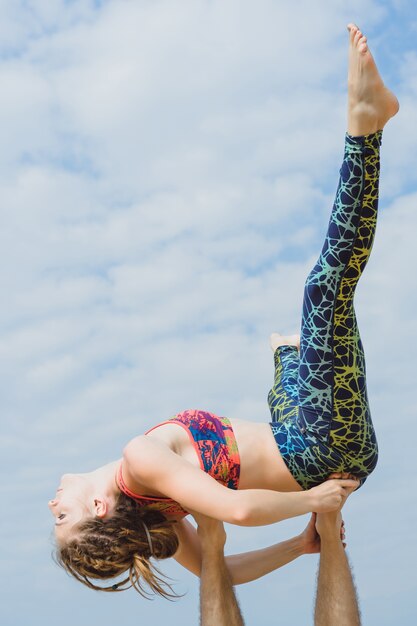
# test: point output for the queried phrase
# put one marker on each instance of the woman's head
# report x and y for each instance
(117, 544)
(77, 499)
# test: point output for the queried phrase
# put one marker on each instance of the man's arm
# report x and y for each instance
(218, 604)
(336, 601)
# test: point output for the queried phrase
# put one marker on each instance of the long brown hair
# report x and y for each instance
(103, 548)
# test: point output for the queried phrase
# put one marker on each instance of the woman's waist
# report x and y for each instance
(261, 464)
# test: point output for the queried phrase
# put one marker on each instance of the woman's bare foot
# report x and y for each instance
(370, 103)
(277, 340)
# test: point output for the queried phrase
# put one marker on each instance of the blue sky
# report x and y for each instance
(167, 170)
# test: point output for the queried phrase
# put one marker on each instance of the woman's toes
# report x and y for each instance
(362, 43)
(358, 36)
(352, 28)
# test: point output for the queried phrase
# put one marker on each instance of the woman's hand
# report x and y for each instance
(310, 539)
(331, 495)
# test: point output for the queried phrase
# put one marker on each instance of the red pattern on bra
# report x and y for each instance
(215, 444)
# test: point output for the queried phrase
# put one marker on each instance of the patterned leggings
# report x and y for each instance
(319, 405)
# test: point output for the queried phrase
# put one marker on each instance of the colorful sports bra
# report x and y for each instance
(215, 444)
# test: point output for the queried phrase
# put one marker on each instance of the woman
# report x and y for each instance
(111, 521)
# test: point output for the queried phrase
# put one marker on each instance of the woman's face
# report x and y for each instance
(70, 504)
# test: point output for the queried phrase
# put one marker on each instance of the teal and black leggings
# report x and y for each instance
(319, 405)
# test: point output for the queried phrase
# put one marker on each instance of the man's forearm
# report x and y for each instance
(336, 601)
(218, 602)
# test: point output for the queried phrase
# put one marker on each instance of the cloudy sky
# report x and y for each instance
(167, 168)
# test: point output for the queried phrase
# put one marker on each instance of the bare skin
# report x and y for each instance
(370, 106)
(92, 494)
(370, 103)
(218, 603)
(261, 463)
(277, 340)
(336, 601)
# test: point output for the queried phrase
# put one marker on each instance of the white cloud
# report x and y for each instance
(167, 171)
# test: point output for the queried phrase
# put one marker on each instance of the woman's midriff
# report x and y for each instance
(261, 464)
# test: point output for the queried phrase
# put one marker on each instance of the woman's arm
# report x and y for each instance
(153, 464)
(248, 566)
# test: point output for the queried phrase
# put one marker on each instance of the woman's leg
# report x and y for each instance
(331, 384)
(323, 425)
(332, 431)
(283, 397)
(332, 387)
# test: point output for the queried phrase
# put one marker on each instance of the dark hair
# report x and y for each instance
(103, 548)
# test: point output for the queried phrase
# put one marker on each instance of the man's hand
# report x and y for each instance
(310, 537)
